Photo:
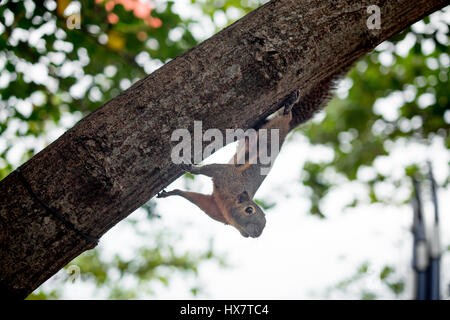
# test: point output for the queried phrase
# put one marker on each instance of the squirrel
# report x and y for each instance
(235, 183)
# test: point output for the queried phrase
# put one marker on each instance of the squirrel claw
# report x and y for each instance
(162, 194)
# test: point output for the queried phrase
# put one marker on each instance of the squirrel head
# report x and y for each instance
(247, 216)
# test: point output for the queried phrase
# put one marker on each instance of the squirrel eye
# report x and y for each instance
(249, 210)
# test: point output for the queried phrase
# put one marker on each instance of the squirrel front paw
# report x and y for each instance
(163, 194)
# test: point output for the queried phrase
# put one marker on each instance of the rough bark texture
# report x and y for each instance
(118, 157)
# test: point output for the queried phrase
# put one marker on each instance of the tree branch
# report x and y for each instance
(117, 158)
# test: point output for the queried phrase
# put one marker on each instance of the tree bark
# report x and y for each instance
(118, 157)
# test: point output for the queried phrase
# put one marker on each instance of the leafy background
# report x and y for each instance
(51, 76)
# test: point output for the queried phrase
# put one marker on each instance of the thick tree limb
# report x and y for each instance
(118, 157)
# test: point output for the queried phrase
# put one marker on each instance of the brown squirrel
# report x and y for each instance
(235, 183)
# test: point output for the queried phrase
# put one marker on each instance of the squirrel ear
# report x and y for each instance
(243, 197)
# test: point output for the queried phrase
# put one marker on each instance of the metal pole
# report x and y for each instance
(435, 249)
(420, 251)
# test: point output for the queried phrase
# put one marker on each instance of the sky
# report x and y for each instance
(298, 256)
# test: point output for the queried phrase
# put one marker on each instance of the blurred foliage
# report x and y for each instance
(399, 92)
(264, 204)
(51, 76)
(366, 277)
(74, 70)
(132, 278)
(225, 12)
